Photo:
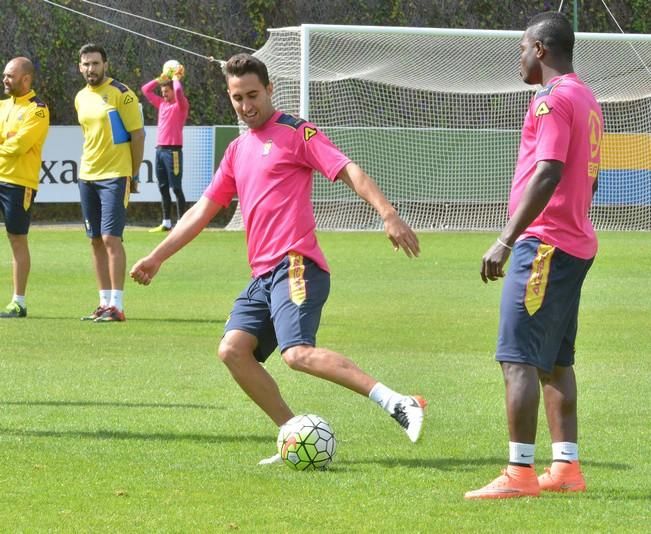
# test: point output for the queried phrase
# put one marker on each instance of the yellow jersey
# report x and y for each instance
(24, 122)
(107, 113)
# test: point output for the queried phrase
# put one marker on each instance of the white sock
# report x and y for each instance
(104, 297)
(167, 223)
(116, 299)
(565, 451)
(19, 299)
(521, 453)
(384, 397)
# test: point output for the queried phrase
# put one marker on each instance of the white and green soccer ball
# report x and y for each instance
(306, 442)
(170, 66)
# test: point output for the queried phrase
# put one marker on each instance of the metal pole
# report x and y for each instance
(576, 16)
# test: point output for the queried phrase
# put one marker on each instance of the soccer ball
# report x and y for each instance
(170, 66)
(306, 442)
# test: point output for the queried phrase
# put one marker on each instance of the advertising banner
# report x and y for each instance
(62, 153)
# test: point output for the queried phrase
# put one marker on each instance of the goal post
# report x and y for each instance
(434, 115)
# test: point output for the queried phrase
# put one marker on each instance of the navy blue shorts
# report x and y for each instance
(16, 204)
(282, 308)
(104, 206)
(540, 306)
(169, 167)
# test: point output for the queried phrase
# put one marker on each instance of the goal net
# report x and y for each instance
(434, 116)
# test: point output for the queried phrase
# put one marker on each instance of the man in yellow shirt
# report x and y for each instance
(114, 138)
(24, 122)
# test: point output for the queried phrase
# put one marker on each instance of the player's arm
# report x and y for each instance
(179, 95)
(137, 149)
(148, 90)
(397, 230)
(536, 196)
(32, 130)
(193, 221)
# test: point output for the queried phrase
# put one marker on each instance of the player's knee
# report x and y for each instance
(229, 353)
(297, 358)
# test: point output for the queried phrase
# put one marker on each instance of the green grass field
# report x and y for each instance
(137, 427)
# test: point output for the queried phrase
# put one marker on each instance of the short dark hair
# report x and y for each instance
(241, 64)
(554, 31)
(89, 48)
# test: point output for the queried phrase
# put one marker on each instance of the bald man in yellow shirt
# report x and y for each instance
(24, 123)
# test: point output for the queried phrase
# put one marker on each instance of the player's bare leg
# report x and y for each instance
(522, 400)
(116, 260)
(559, 393)
(21, 262)
(324, 363)
(100, 263)
(236, 351)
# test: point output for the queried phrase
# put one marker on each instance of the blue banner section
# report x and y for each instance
(624, 188)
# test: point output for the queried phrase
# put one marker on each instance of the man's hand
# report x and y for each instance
(179, 73)
(134, 184)
(492, 264)
(163, 78)
(401, 235)
(144, 270)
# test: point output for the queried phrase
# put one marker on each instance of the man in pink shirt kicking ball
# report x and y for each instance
(553, 245)
(270, 168)
(173, 108)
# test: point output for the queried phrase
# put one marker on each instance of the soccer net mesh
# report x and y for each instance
(434, 116)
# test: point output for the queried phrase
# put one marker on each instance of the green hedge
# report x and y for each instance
(51, 36)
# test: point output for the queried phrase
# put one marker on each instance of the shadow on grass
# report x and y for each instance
(463, 464)
(132, 319)
(135, 436)
(112, 404)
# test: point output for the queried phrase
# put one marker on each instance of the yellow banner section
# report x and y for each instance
(537, 284)
(297, 291)
(625, 151)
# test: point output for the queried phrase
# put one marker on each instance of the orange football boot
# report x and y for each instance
(515, 481)
(562, 477)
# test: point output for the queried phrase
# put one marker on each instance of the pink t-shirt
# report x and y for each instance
(563, 123)
(270, 170)
(171, 115)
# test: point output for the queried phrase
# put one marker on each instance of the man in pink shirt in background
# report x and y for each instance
(553, 244)
(173, 108)
(270, 169)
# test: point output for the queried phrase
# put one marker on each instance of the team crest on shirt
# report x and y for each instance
(266, 148)
(105, 98)
(128, 99)
(543, 109)
(309, 133)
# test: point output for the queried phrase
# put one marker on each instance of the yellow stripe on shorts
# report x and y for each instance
(127, 191)
(176, 163)
(27, 199)
(297, 290)
(537, 284)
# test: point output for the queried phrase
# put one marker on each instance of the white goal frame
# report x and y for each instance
(298, 68)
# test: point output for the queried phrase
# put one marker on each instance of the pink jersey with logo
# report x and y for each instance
(563, 123)
(270, 170)
(171, 115)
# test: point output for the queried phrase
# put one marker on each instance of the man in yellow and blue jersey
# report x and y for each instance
(114, 138)
(24, 123)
